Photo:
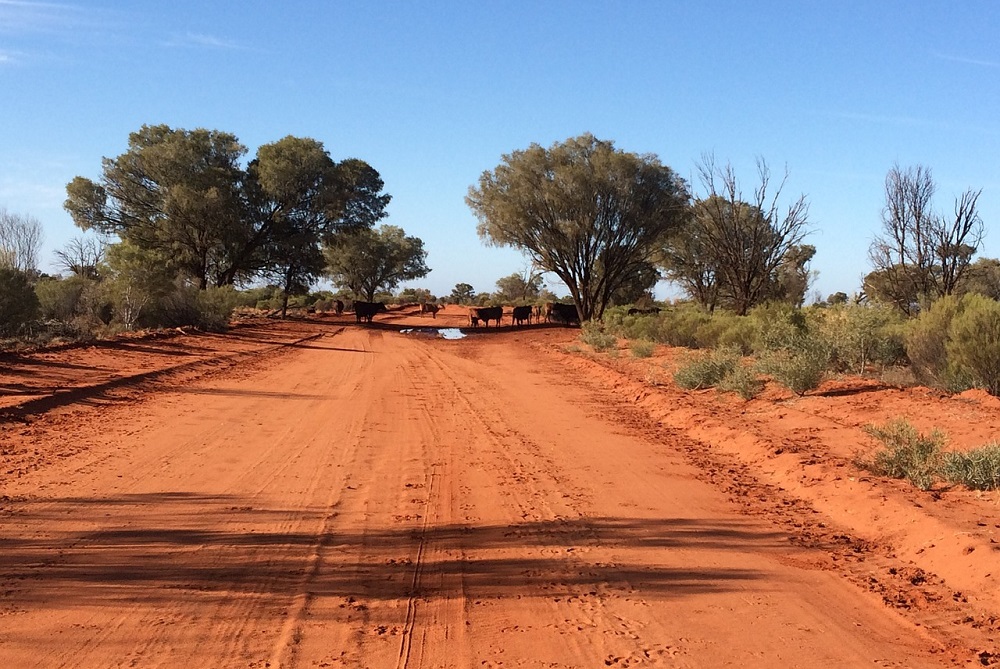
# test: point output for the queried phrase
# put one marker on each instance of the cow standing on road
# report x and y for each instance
(487, 314)
(367, 310)
(521, 315)
(429, 308)
(561, 313)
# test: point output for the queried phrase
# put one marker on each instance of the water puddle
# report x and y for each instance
(444, 333)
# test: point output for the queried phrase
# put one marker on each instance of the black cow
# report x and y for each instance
(339, 306)
(487, 314)
(521, 315)
(367, 310)
(562, 313)
(639, 312)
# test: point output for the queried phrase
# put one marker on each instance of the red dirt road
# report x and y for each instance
(319, 494)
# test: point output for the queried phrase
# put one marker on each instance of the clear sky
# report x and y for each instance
(432, 93)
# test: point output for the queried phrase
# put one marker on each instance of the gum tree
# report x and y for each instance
(591, 214)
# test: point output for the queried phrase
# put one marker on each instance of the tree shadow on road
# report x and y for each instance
(152, 546)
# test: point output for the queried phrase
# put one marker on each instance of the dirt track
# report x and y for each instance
(318, 494)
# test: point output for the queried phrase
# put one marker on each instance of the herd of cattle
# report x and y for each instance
(552, 312)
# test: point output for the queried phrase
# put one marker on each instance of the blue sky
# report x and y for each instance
(431, 94)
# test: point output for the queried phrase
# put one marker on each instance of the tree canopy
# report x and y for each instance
(519, 288)
(582, 209)
(183, 194)
(368, 261)
(462, 293)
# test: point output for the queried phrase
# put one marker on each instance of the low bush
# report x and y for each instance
(800, 367)
(776, 326)
(641, 348)
(978, 469)
(743, 381)
(18, 302)
(593, 335)
(862, 335)
(908, 454)
(926, 340)
(973, 345)
(706, 369)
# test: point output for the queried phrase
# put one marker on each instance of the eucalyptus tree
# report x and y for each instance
(175, 192)
(183, 195)
(371, 260)
(589, 213)
(299, 199)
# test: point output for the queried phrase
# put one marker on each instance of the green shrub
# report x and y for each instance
(706, 369)
(800, 367)
(18, 302)
(908, 454)
(59, 299)
(593, 335)
(215, 307)
(978, 469)
(862, 335)
(731, 331)
(926, 341)
(973, 345)
(641, 348)
(776, 326)
(743, 381)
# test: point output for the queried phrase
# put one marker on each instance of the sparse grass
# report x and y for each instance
(908, 454)
(979, 469)
(641, 348)
(704, 370)
(743, 381)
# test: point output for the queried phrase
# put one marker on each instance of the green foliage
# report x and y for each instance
(372, 260)
(641, 348)
(519, 289)
(777, 326)
(743, 381)
(983, 278)
(979, 469)
(82, 305)
(800, 367)
(706, 369)
(215, 306)
(462, 293)
(973, 346)
(593, 335)
(18, 302)
(907, 453)
(926, 341)
(861, 335)
(581, 209)
(683, 326)
(183, 195)
(59, 299)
